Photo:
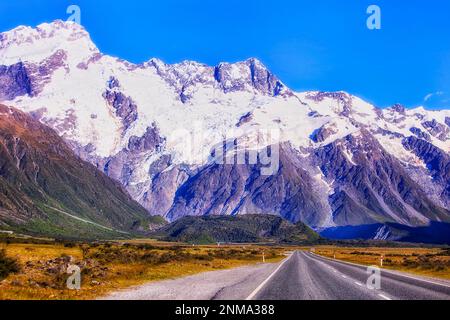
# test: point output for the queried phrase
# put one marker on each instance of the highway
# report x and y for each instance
(306, 276)
(301, 276)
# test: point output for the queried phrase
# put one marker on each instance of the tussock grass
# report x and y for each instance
(110, 266)
(7, 265)
(433, 262)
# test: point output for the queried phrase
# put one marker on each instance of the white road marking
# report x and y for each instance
(254, 293)
(356, 282)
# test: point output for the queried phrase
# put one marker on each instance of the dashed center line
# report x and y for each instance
(382, 296)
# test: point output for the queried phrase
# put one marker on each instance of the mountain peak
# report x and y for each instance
(23, 34)
(247, 75)
(398, 108)
(255, 62)
(60, 24)
(250, 73)
(40, 42)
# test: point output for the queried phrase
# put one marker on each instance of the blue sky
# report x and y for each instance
(310, 45)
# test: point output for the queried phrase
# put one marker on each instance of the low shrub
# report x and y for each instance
(7, 265)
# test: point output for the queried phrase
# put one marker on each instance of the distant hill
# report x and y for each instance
(45, 189)
(435, 233)
(236, 229)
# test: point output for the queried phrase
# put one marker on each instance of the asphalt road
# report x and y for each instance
(301, 276)
(306, 276)
(231, 284)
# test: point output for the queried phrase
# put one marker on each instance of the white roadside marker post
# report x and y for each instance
(381, 260)
(264, 257)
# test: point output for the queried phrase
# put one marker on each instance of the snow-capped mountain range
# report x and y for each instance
(342, 160)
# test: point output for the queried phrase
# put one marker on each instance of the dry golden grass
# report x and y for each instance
(432, 262)
(109, 267)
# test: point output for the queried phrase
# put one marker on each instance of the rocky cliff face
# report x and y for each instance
(154, 128)
(437, 163)
(14, 82)
(376, 182)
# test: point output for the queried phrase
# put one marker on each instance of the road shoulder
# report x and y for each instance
(230, 284)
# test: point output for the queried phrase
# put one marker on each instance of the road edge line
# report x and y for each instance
(384, 297)
(256, 291)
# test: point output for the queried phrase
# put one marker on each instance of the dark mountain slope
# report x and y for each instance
(437, 162)
(44, 187)
(366, 185)
(237, 229)
(242, 189)
(373, 186)
(435, 233)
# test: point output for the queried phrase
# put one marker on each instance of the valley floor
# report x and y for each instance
(147, 270)
(301, 276)
(108, 267)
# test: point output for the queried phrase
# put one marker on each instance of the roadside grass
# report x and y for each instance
(431, 262)
(111, 266)
(7, 265)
